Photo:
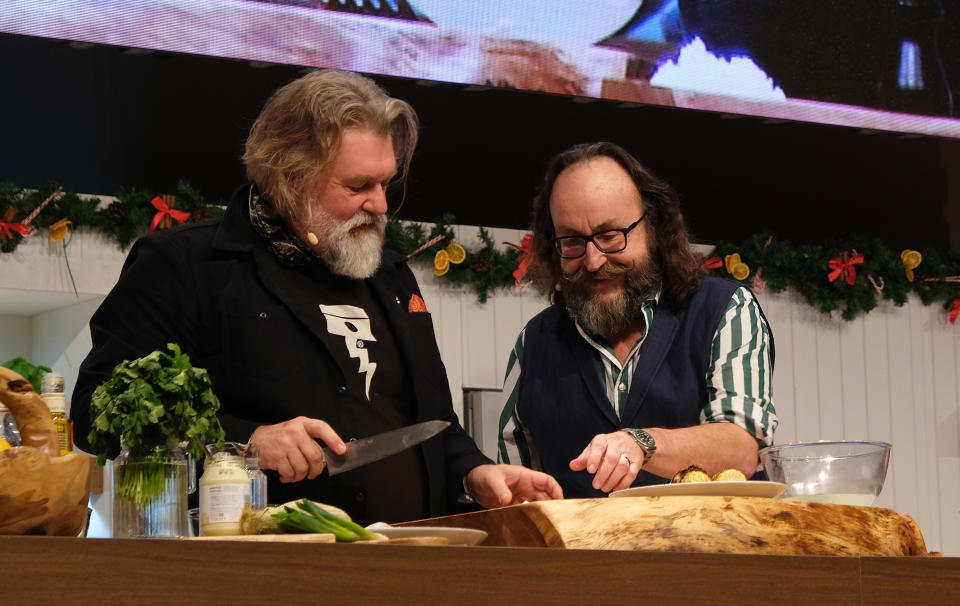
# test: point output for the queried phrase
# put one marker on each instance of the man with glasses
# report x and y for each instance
(642, 366)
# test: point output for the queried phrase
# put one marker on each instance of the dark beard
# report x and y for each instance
(611, 318)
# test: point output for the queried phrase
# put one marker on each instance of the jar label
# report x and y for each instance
(223, 502)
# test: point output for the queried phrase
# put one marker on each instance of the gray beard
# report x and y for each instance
(609, 318)
(355, 256)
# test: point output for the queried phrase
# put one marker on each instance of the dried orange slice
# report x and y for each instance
(457, 253)
(58, 231)
(911, 258)
(731, 261)
(740, 271)
(441, 263)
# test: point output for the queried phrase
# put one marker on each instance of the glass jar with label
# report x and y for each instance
(224, 490)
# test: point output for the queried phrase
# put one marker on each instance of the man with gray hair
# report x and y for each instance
(310, 330)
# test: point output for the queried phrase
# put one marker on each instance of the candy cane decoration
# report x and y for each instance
(36, 211)
(427, 245)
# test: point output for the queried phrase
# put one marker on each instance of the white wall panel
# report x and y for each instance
(803, 332)
(946, 403)
(15, 339)
(779, 313)
(921, 372)
(903, 459)
(829, 382)
(62, 336)
(853, 402)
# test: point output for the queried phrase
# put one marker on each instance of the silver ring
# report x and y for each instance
(625, 458)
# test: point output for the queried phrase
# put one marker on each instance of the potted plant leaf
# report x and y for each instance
(160, 407)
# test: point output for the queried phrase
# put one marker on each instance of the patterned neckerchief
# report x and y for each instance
(284, 245)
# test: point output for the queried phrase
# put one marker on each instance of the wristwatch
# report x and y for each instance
(644, 440)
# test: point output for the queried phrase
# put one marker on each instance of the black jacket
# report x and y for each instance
(216, 290)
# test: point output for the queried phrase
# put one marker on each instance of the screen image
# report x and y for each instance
(886, 65)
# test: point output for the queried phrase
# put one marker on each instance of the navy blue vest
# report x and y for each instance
(562, 400)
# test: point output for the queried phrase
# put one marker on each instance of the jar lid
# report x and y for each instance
(51, 383)
(224, 455)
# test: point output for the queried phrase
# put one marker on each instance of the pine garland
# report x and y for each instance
(123, 221)
(806, 268)
(484, 270)
(765, 261)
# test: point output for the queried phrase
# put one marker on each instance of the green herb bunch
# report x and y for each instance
(150, 403)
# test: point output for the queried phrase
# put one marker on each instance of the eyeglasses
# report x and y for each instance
(606, 241)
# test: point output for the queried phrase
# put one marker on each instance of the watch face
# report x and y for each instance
(645, 440)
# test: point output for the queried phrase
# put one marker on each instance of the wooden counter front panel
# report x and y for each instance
(125, 571)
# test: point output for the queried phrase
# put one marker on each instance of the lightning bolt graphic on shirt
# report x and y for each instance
(353, 324)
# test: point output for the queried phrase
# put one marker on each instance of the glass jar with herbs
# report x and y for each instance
(162, 410)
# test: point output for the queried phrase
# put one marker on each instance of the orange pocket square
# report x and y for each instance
(416, 304)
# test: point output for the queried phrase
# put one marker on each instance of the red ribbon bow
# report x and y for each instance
(180, 216)
(712, 263)
(954, 311)
(525, 258)
(844, 265)
(7, 229)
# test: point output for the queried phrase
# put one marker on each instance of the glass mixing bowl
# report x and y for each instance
(849, 473)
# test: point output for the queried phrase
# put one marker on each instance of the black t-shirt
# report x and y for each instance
(351, 323)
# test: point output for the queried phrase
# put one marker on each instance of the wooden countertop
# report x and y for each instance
(169, 571)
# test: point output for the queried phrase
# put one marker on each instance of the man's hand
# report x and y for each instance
(499, 485)
(291, 448)
(614, 459)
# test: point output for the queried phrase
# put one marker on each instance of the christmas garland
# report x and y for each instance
(23, 212)
(850, 275)
(485, 270)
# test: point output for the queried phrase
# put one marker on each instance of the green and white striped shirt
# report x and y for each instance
(738, 380)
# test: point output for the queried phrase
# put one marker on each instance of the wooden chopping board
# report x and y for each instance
(320, 538)
(751, 525)
(273, 538)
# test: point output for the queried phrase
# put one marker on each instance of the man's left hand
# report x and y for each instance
(614, 459)
(499, 485)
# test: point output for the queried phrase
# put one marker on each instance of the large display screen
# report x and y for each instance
(891, 65)
(873, 64)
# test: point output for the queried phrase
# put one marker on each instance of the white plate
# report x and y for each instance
(454, 536)
(705, 489)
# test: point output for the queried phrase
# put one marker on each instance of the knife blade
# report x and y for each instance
(367, 450)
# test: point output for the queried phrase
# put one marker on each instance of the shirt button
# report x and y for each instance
(359, 344)
(341, 389)
(360, 497)
(622, 387)
(262, 315)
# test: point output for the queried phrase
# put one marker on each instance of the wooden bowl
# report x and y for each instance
(43, 495)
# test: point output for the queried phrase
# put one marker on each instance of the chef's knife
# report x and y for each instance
(367, 450)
